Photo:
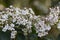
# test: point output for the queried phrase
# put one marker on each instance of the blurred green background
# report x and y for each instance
(40, 7)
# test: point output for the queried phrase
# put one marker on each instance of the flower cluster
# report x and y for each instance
(11, 18)
(54, 15)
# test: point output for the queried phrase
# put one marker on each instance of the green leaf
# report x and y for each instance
(49, 37)
(20, 37)
(4, 35)
(33, 37)
(58, 38)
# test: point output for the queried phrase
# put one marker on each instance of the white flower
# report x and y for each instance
(14, 20)
(31, 16)
(58, 9)
(58, 25)
(2, 20)
(5, 16)
(13, 34)
(11, 6)
(5, 28)
(50, 16)
(42, 34)
(28, 26)
(0, 13)
(24, 22)
(27, 18)
(41, 23)
(27, 11)
(24, 12)
(18, 11)
(10, 28)
(10, 13)
(31, 11)
(35, 17)
(12, 25)
(47, 27)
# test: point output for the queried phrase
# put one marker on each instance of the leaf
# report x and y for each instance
(58, 38)
(20, 37)
(49, 37)
(33, 37)
(4, 35)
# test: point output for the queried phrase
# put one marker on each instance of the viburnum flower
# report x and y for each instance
(13, 18)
